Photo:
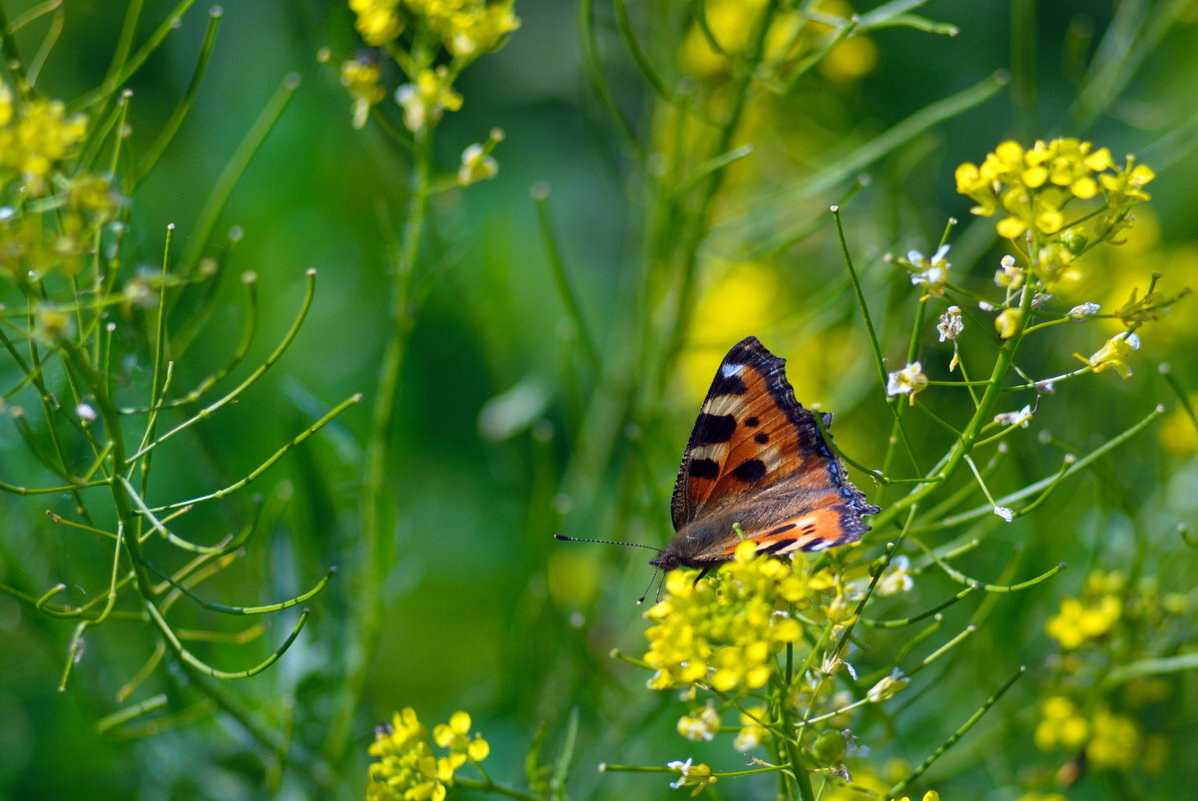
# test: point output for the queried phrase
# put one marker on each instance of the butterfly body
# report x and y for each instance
(757, 459)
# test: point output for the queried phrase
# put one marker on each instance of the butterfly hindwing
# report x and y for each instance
(757, 458)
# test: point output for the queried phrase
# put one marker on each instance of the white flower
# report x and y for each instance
(951, 324)
(932, 274)
(908, 381)
(897, 577)
(697, 775)
(86, 412)
(1019, 418)
(683, 768)
(476, 166)
(1084, 310)
(1005, 513)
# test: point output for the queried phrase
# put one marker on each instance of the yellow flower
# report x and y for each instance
(1033, 186)
(726, 631)
(752, 733)
(1061, 725)
(377, 20)
(1114, 353)
(1114, 742)
(1007, 322)
(42, 137)
(703, 725)
(476, 27)
(360, 77)
(424, 101)
(5, 104)
(689, 775)
(930, 795)
(1076, 622)
(887, 687)
(456, 737)
(405, 767)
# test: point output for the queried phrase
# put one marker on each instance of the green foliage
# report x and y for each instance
(1011, 369)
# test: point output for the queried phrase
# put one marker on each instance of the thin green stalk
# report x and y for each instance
(231, 174)
(377, 532)
(897, 790)
(963, 446)
(540, 197)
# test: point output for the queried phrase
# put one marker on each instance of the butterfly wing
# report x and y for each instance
(756, 457)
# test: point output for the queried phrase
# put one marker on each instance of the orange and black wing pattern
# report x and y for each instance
(757, 458)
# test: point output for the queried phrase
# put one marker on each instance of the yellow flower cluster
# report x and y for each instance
(378, 21)
(725, 632)
(465, 27)
(1110, 740)
(468, 27)
(1032, 187)
(405, 767)
(36, 137)
(1091, 616)
(792, 36)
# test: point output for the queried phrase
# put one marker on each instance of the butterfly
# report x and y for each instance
(756, 458)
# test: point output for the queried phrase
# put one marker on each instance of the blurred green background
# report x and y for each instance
(483, 611)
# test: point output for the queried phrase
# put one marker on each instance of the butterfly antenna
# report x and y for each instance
(648, 587)
(564, 538)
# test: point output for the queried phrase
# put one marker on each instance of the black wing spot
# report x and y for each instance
(762, 438)
(703, 468)
(728, 385)
(752, 422)
(774, 547)
(781, 529)
(712, 429)
(749, 470)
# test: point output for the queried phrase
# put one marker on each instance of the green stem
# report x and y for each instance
(377, 529)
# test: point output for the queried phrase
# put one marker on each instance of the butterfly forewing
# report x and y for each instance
(757, 458)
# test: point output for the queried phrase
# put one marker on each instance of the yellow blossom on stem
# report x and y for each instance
(1033, 186)
(752, 733)
(42, 137)
(1007, 322)
(691, 775)
(360, 77)
(1114, 741)
(377, 21)
(424, 101)
(456, 737)
(476, 27)
(1061, 725)
(725, 632)
(1113, 354)
(701, 725)
(405, 767)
